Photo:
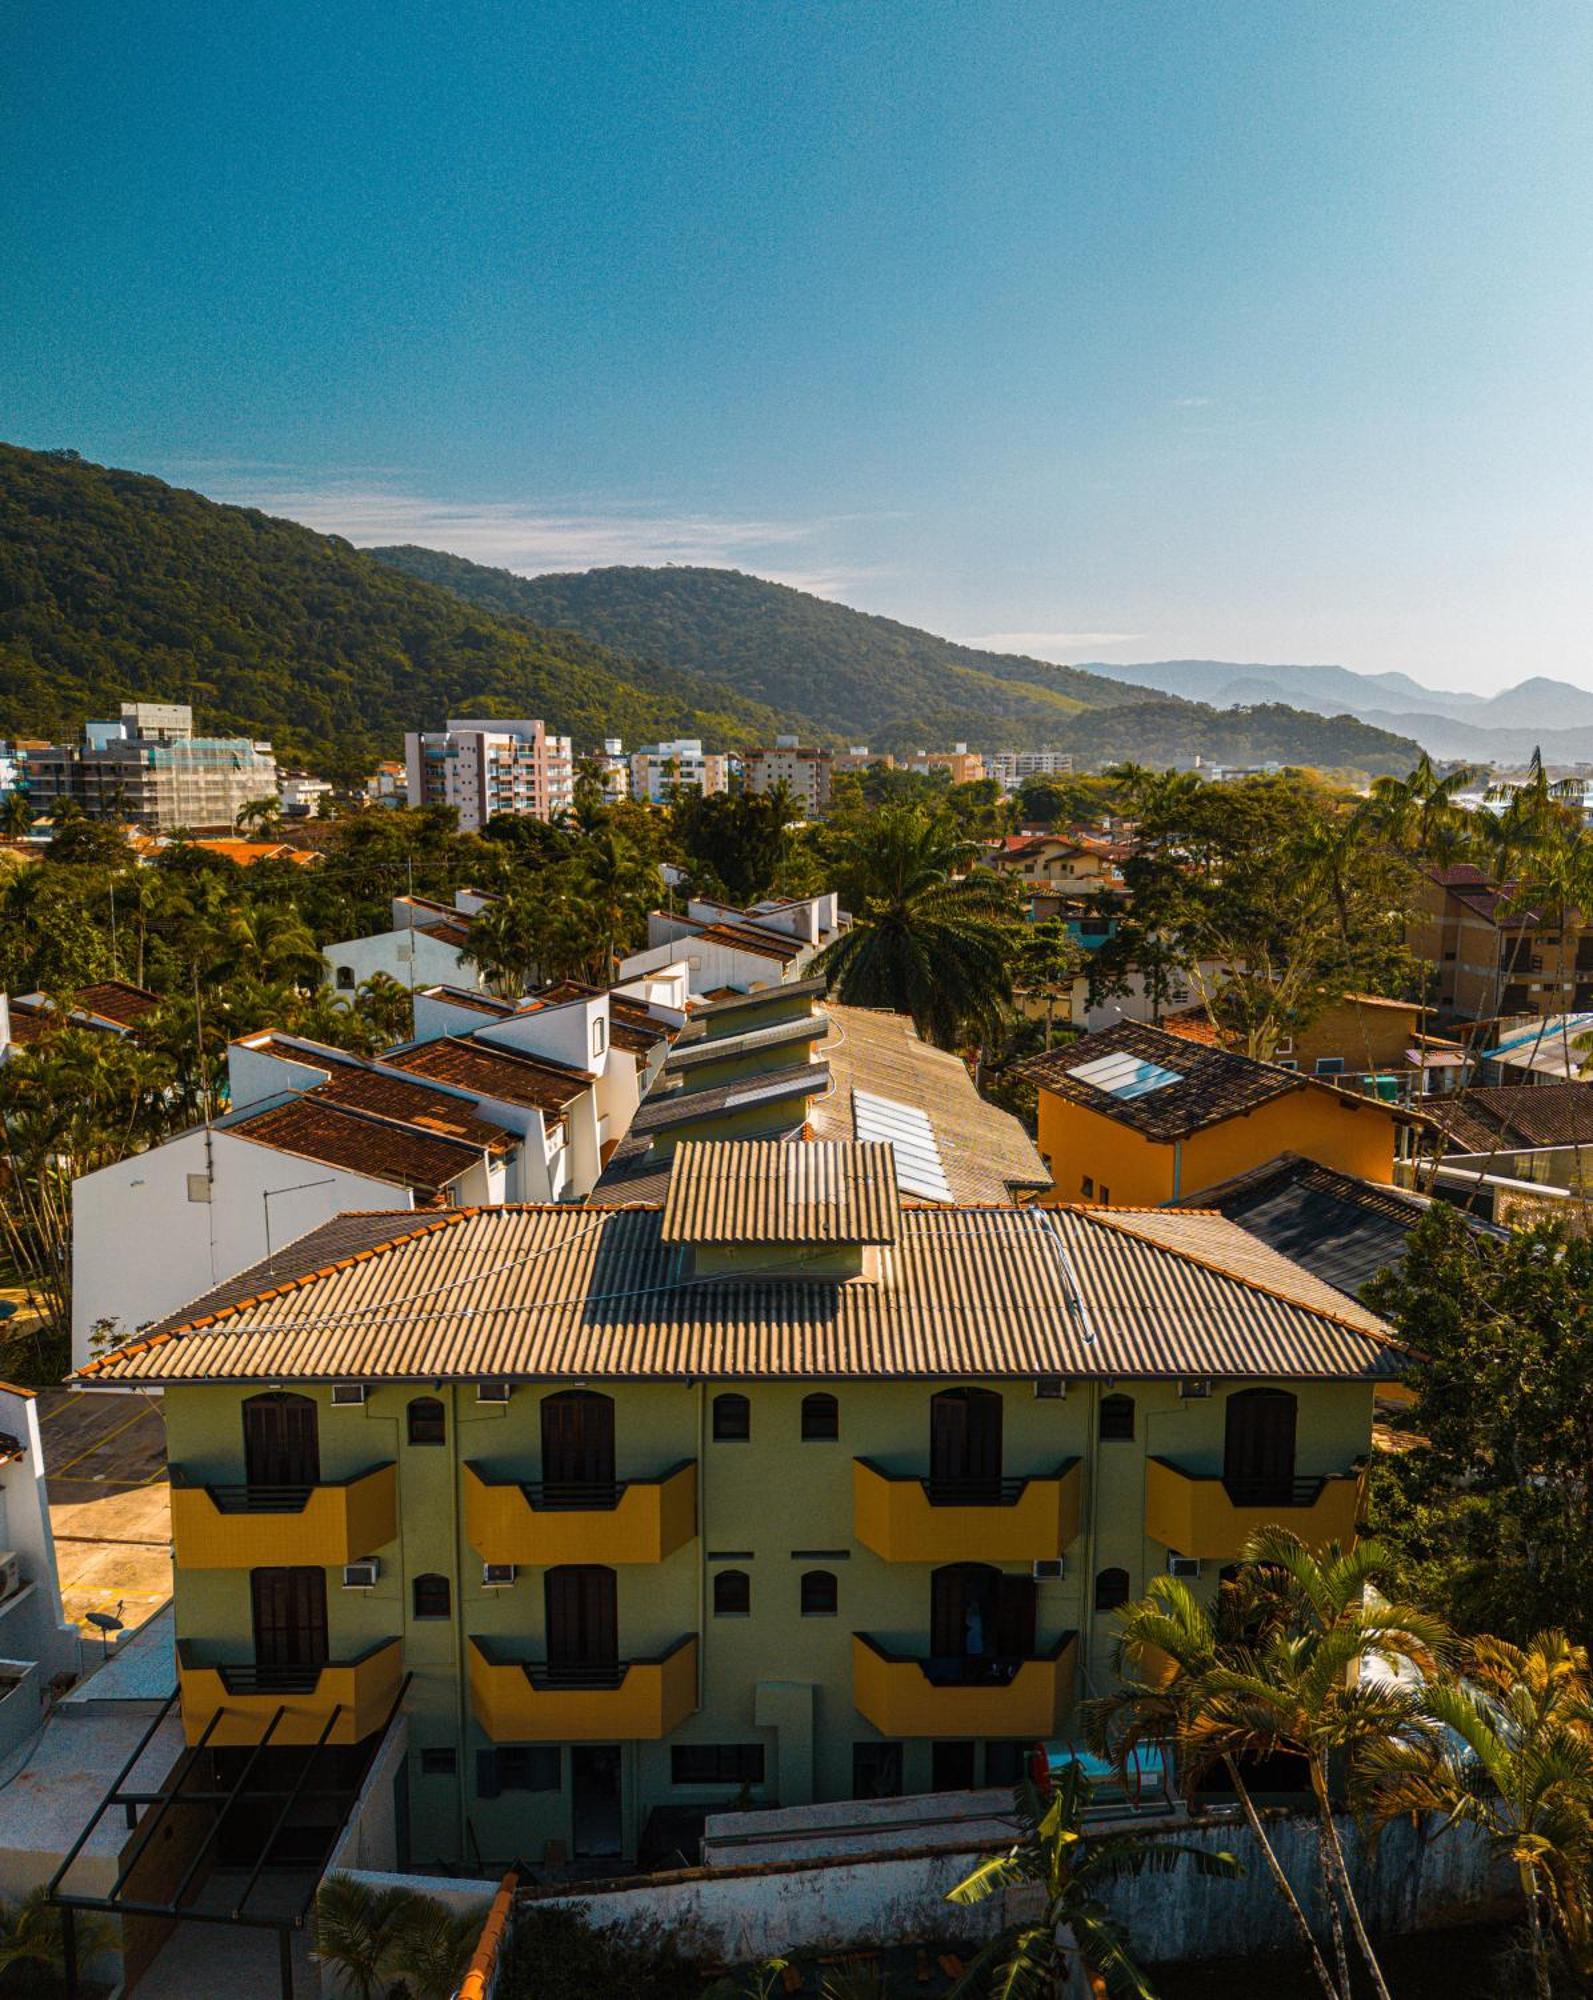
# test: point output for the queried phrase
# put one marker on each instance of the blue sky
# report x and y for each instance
(1257, 331)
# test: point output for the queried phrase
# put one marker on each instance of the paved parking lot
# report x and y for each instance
(105, 1473)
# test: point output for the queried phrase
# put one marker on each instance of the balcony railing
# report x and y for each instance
(237, 1701)
(600, 1521)
(252, 1527)
(906, 1694)
(527, 1701)
(1201, 1514)
(905, 1517)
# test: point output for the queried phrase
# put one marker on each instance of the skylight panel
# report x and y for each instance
(907, 1130)
(1125, 1076)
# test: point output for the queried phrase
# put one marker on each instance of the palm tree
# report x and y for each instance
(261, 817)
(1048, 961)
(16, 815)
(380, 1940)
(1071, 1867)
(926, 938)
(507, 944)
(1510, 1752)
(1286, 1674)
(33, 1934)
(620, 885)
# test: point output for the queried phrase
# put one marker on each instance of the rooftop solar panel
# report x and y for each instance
(919, 1169)
(1122, 1075)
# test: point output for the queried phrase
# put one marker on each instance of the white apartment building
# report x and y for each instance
(1009, 768)
(302, 796)
(485, 767)
(657, 769)
(805, 773)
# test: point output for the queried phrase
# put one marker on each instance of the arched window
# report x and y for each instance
(431, 1597)
(732, 1419)
(345, 979)
(427, 1424)
(821, 1418)
(732, 1594)
(1111, 1589)
(1117, 1420)
(819, 1593)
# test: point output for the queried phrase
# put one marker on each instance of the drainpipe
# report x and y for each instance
(702, 1540)
(460, 1700)
(1178, 1168)
(1091, 1538)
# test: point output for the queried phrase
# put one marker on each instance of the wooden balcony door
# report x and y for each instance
(578, 1448)
(965, 1446)
(289, 1617)
(978, 1616)
(281, 1444)
(1258, 1454)
(582, 1621)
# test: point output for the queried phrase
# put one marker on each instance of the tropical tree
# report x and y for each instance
(32, 1935)
(618, 885)
(16, 815)
(1509, 1752)
(1047, 961)
(1071, 1867)
(507, 941)
(1314, 1666)
(260, 816)
(391, 1941)
(927, 938)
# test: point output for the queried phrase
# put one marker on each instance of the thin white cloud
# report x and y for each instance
(1192, 402)
(1049, 645)
(531, 540)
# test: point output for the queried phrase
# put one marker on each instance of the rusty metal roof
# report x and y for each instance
(314, 1129)
(762, 1191)
(564, 1293)
(415, 1104)
(491, 1071)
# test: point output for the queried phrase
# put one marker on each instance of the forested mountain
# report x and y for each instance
(114, 586)
(872, 680)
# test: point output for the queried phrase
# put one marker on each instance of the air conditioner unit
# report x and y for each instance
(1193, 1387)
(1050, 1388)
(497, 1576)
(348, 1395)
(10, 1574)
(1182, 1565)
(492, 1392)
(361, 1575)
(1049, 1566)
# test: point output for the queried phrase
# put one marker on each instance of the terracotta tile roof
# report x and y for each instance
(557, 1293)
(315, 1129)
(430, 1110)
(463, 996)
(764, 1192)
(456, 931)
(117, 1000)
(985, 1153)
(1209, 1084)
(743, 937)
(489, 1071)
(1515, 1117)
(630, 1026)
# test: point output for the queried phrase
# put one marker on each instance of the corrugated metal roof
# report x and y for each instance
(704, 1051)
(764, 1192)
(568, 1293)
(792, 989)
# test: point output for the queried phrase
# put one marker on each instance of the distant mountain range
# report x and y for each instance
(1554, 715)
(114, 585)
(858, 678)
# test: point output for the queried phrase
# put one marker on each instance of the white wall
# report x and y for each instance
(412, 958)
(141, 1248)
(32, 1624)
(255, 1074)
(708, 965)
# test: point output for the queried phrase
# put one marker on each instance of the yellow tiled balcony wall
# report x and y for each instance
(1025, 1520)
(1195, 1514)
(362, 1691)
(643, 1700)
(895, 1693)
(634, 1521)
(256, 1527)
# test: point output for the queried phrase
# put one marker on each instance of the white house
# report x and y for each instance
(36, 1642)
(726, 949)
(427, 946)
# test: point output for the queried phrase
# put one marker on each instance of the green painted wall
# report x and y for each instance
(762, 1502)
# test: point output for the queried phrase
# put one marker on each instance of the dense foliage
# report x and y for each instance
(870, 679)
(115, 586)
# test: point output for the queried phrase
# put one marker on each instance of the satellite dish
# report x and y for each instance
(105, 1623)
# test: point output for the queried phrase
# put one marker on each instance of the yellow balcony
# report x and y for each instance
(259, 1527)
(519, 1701)
(1196, 1514)
(906, 1519)
(631, 1521)
(907, 1696)
(355, 1696)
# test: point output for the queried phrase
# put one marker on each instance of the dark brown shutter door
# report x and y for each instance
(578, 1440)
(289, 1617)
(1258, 1455)
(280, 1444)
(583, 1619)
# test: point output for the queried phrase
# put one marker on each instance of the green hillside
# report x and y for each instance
(115, 586)
(869, 679)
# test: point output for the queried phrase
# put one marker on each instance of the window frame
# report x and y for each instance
(821, 1418)
(428, 1404)
(814, 1582)
(431, 1578)
(725, 1406)
(731, 1583)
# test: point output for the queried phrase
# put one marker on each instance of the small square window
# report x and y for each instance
(1087, 1187)
(438, 1763)
(1106, 1195)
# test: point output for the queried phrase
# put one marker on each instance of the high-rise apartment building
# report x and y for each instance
(658, 769)
(805, 773)
(486, 767)
(150, 770)
(1009, 768)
